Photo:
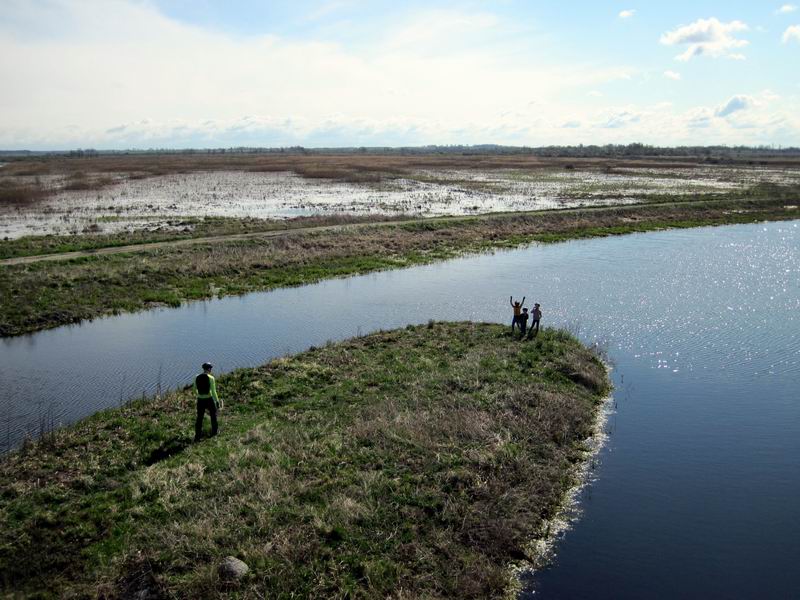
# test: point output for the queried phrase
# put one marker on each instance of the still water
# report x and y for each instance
(697, 491)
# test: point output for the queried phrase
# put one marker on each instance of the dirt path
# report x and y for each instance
(23, 260)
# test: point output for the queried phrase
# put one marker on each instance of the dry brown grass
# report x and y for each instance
(91, 173)
(354, 168)
(15, 193)
(312, 165)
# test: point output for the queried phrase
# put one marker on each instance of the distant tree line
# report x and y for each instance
(580, 151)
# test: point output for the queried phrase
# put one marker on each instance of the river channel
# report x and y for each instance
(696, 492)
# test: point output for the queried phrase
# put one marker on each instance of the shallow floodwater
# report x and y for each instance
(695, 493)
(163, 203)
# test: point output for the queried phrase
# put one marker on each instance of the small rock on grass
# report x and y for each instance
(233, 568)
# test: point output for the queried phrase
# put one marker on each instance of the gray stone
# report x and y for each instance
(146, 594)
(233, 568)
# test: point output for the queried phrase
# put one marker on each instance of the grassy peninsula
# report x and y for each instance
(418, 462)
(51, 293)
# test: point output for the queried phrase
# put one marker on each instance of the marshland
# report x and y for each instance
(698, 322)
(122, 194)
(332, 206)
(125, 228)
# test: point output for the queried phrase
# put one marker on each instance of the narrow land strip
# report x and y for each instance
(273, 230)
(414, 463)
(184, 230)
(47, 294)
(24, 260)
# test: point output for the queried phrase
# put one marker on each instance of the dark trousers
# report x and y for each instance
(204, 404)
(514, 321)
(532, 332)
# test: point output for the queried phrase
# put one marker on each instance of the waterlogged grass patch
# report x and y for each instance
(150, 197)
(411, 463)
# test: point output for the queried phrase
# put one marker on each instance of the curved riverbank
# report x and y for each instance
(49, 294)
(417, 462)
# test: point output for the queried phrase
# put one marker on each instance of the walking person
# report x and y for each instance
(517, 306)
(536, 316)
(205, 388)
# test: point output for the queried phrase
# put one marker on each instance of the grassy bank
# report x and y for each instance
(48, 294)
(191, 228)
(178, 229)
(414, 463)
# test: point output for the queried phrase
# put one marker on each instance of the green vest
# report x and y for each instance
(205, 386)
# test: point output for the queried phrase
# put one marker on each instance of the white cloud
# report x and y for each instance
(699, 118)
(595, 94)
(707, 37)
(328, 8)
(437, 77)
(786, 9)
(748, 121)
(438, 29)
(439, 68)
(735, 104)
(627, 14)
(621, 119)
(672, 75)
(791, 33)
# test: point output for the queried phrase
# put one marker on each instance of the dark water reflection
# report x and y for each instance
(697, 489)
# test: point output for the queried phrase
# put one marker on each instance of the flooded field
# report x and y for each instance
(165, 202)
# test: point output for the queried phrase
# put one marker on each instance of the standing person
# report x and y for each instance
(522, 321)
(517, 306)
(205, 388)
(536, 316)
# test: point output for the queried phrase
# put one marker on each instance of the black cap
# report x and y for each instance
(207, 366)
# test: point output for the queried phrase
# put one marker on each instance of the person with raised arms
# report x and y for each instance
(517, 306)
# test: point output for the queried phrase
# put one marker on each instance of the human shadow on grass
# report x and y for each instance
(167, 450)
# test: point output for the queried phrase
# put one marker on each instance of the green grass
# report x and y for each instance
(419, 462)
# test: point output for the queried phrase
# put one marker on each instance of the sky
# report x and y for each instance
(114, 74)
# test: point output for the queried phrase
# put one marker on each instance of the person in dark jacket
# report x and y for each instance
(522, 321)
(205, 388)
